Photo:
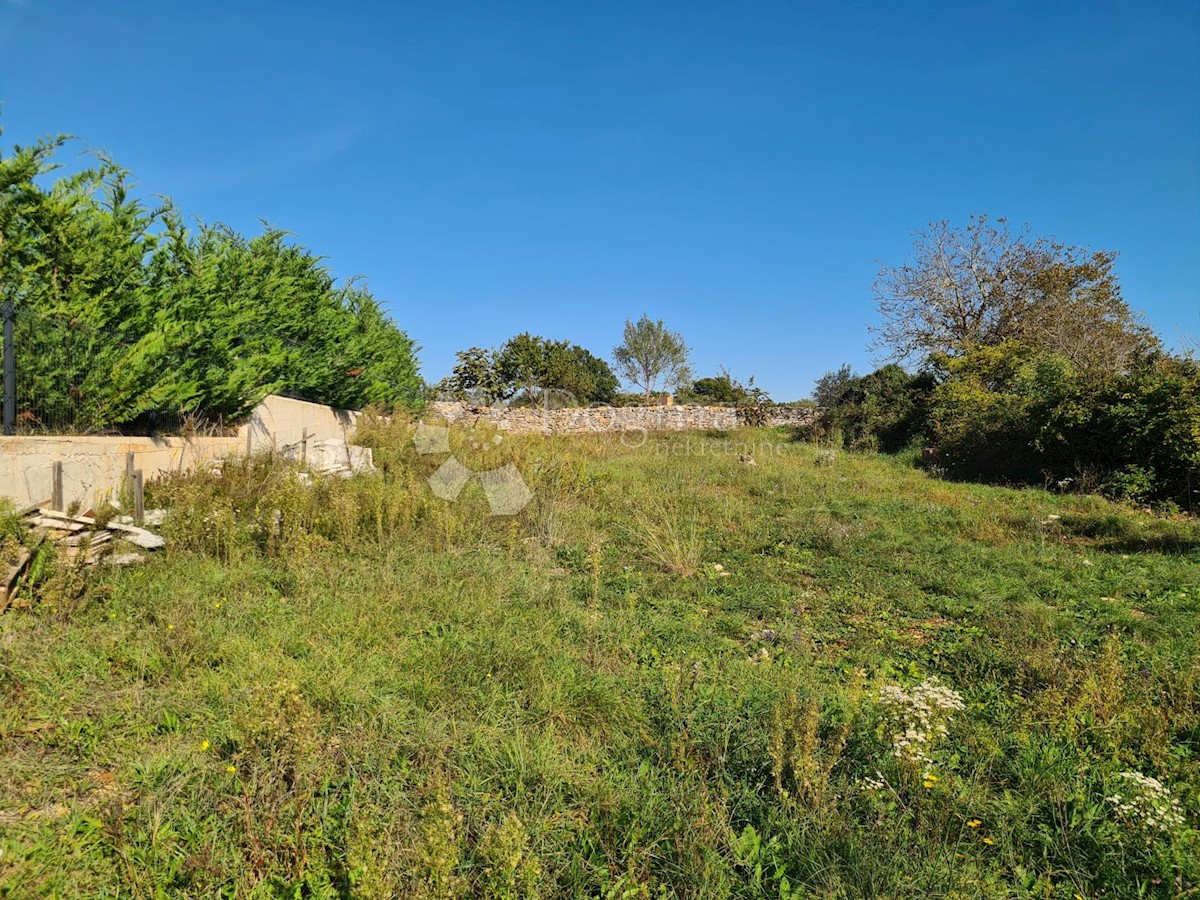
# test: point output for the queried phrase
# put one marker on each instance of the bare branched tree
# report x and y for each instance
(986, 284)
(958, 286)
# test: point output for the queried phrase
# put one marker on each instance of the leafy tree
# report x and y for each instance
(883, 410)
(828, 389)
(521, 366)
(719, 389)
(572, 372)
(533, 369)
(651, 355)
(724, 389)
(474, 376)
(985, 284)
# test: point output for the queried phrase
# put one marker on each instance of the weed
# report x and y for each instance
(669, 535)
(511, 870)
(439, 850)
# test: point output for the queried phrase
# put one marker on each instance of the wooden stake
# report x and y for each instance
(56, 489)
(304, 446)
(139, 497)
(129, 464)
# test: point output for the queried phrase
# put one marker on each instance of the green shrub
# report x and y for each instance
(1151, 417)
(983, 413)
(1131, 483)
(884, 410)
(1012, 413)
(531, 370)
(138, 320)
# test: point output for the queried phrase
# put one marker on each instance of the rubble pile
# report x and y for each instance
(76, 540)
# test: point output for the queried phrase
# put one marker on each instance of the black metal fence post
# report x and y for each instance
(10, 369)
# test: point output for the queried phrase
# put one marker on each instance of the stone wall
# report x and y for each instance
(793, 415)
(596, 419)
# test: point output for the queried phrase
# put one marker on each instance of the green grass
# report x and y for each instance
(375, 693)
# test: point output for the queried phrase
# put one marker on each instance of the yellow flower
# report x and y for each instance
(988, 841)
(231, 768)
(931, 778)
(170, 627)
(928, 784)
(974, 823)
(204, 745)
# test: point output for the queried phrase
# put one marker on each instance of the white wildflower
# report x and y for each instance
(917, 717)
(874, 782)
(1147, 804)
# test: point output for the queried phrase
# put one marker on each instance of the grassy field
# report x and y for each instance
(673, 675)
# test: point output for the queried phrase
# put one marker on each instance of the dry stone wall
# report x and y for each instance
(597, 419)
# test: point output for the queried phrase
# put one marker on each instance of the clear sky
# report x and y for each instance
(736, 168)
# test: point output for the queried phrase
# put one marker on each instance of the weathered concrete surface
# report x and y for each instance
(332, 456)
(598, 419)
(95, 466)
(280, 422)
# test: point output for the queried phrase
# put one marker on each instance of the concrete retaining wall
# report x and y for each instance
(597, 419)
(95, 465)
(279, 422)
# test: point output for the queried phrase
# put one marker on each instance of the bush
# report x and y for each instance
(725, 390)
(720, 390)
(1013, 413)
(983, 413)
(531, 371)
(1134, 483)
(138, 320)
(1151, 417)
(884, 410)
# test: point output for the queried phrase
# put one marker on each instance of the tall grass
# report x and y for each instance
(335, 688)
(668, 531)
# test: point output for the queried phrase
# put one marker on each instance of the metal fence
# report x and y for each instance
(50, 364)
(8, 364)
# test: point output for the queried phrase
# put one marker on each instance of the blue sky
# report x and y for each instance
(737, 169)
